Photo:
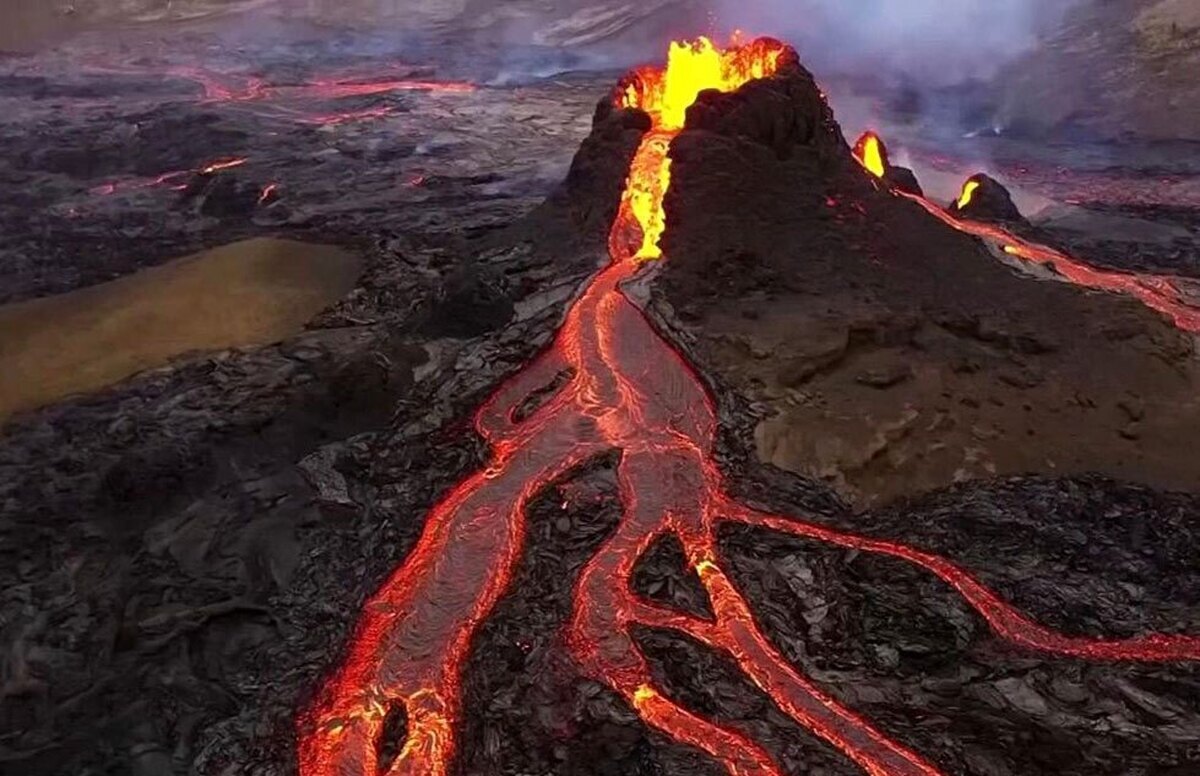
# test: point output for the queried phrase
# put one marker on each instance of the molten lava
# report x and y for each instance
(666, 94)
(968, 193)
(1158, 292)
(231, 87)
(693, 67)
(293, 101)
(166, 178)
(630, 391)
(870, 152)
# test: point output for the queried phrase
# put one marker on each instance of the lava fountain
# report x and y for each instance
(633, 392)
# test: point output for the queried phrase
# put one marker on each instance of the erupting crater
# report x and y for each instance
(631, 391)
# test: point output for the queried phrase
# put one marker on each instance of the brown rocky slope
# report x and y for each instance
(892, 355)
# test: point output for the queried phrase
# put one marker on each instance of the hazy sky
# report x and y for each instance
(938, 41)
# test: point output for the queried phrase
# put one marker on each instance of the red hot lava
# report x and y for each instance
(292, 101)
(230, 87)
(630, 391)
(169, 178)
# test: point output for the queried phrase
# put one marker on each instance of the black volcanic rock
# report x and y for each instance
(903, 179)
(786, 113)
(989, 201)
(591, 193)
(471, 304)
(789, 274)
(224, 195)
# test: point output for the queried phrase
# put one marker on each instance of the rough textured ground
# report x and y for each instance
(1115, 68)
(90, 130)
(182, 556)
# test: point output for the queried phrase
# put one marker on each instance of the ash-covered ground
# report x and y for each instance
(183, 555)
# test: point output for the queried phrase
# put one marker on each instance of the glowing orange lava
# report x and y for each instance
(1158, 292)
(633, 392)
(232, 87)
(968, 193)
(171, 178)
(666, 94)
(870, 153)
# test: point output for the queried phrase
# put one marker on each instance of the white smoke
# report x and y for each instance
(937, 42)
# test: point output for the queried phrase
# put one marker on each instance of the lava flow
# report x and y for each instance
(168, 178)
(968, 193)
(633, 392)
(292, 101)
(230, 87)
(1158, 292)
(282, 99)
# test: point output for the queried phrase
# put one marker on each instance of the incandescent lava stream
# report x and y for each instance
(631, 391)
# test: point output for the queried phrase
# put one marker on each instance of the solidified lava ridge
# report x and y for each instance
(630, 391)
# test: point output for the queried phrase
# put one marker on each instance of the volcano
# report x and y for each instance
(736, 455)
(725, 141)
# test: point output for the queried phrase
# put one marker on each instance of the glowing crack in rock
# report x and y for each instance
(220, 86)
(169, 179)
(630, 391)
(290, 101)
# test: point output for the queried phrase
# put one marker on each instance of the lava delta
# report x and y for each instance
(740, 203)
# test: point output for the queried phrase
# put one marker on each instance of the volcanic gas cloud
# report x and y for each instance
(630, 391)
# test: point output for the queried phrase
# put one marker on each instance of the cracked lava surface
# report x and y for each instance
(629, 390)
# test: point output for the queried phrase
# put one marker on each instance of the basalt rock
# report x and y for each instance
(778, 240)
(986, 199)
(591, 192)
(903, 179)
(786, 113)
